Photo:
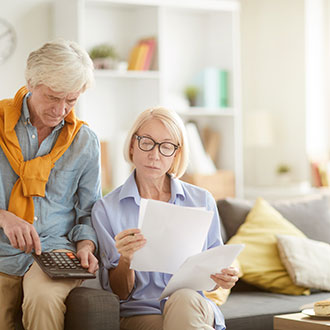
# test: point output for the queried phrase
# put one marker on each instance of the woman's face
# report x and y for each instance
(152, 164)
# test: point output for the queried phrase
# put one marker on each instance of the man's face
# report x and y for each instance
(48, 108)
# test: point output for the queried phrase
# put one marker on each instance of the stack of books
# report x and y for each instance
(142, 54)
(212, 84)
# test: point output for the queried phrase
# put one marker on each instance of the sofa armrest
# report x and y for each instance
(89, 309)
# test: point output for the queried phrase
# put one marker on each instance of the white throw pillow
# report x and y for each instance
(307, 261)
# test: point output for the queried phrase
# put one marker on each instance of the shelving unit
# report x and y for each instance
(190, 34)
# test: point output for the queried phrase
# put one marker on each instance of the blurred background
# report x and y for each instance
(273, 130)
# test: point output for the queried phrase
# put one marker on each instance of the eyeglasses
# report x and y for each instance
(145, 143)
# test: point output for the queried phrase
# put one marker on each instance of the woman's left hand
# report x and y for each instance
(226, 279)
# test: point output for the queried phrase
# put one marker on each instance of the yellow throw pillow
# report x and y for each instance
(220, 295)
(260, 260)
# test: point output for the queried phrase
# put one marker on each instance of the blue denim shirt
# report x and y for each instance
(63, 216)
(119, 210)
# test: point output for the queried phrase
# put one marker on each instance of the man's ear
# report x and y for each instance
(29, 86)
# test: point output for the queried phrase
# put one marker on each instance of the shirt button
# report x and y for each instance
(33, 136)
(35, 218)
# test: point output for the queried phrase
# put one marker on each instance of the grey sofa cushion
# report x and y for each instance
(233, 212)
(309, 214)
(89, 308)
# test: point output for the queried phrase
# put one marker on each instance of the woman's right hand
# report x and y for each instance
(128, 241)
(122, 277)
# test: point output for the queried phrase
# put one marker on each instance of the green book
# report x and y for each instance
(223, 88)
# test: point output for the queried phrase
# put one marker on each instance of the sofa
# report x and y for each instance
(248, 306)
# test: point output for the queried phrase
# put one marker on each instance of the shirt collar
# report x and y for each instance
(176, 190)
(130, 189)
(25, 109)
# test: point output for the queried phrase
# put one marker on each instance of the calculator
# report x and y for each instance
(62, 265)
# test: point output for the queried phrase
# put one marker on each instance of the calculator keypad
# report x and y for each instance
(59, 265)
(60, 260)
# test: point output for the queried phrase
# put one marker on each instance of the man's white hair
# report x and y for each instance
(61, 65)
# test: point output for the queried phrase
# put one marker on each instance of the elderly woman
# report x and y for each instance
(157, 147)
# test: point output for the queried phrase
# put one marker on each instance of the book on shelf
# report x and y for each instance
(315, 175)
(142, 54)
(212, 84)
(320, 173)
(151, 42)
(223, 88)
(133, 58)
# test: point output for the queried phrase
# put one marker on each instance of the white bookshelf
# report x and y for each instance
(191, 35)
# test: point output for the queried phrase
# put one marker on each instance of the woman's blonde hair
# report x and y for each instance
(175, 126)
(61, 65)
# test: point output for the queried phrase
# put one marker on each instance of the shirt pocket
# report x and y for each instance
(62, 186)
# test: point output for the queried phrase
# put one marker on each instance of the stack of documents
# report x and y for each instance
(175, 237)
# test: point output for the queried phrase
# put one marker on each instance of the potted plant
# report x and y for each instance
(104, 56)
(191, 93)
(284, 173)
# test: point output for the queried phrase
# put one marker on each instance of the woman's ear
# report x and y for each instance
(131, 146)
(177, 152)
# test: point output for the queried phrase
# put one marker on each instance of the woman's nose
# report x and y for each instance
(155, 152)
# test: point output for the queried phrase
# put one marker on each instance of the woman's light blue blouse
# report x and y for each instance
(119, 210)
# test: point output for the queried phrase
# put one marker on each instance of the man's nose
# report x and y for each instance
(60, 108)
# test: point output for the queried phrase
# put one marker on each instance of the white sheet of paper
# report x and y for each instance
(173, 234)
(195, 272)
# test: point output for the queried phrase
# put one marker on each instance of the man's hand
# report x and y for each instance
(227, 278)
(21, 234)
(85, 250)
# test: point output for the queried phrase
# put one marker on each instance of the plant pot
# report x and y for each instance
(106, 63)
(284, 178)
(192, 102)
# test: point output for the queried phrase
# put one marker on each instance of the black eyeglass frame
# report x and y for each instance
(138, 137)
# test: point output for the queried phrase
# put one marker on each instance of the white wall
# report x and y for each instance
(273, 64)
(317, 79)
(273, 68)
(32, 20)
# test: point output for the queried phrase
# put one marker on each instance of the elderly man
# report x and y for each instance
(49, 181)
